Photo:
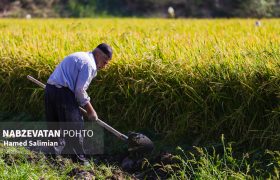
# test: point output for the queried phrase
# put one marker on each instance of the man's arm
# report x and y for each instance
(91, 113)
(82, 83)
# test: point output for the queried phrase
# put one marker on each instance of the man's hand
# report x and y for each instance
(91, 113)
(92, 116)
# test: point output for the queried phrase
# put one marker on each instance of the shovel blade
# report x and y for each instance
(138, 142)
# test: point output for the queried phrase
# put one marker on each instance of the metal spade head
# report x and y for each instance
(139, 143)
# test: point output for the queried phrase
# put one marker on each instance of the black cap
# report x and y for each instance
(106, 49)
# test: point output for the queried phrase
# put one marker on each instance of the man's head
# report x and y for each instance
(102, 55)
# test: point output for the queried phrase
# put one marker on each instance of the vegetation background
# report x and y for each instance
(145, 8)
(205, 79)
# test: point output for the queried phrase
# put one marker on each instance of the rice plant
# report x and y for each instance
(178, 79)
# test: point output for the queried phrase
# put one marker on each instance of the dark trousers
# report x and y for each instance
(62, 112)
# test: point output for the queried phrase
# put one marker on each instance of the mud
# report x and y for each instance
(78, 173)
(123, 165)
(159, 167)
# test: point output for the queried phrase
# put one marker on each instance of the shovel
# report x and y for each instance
(136, 142)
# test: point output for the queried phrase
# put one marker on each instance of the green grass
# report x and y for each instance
(20, 163)
(217, 163)
(178, 78)
(199, 163)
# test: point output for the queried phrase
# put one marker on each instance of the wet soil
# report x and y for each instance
(123, 165)
(140, 167)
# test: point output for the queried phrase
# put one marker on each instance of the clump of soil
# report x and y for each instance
(138, 167)
(134, 166)
(78, 173)
(119, 175)
(160, 167)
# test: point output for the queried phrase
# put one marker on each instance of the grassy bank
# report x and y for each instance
(200, 163)
(20, 163)
(186, 80)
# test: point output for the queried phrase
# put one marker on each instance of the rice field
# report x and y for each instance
(186, 80)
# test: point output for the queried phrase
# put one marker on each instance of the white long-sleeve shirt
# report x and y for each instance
(75, 72)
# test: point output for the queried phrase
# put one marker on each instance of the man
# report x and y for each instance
(66, 91)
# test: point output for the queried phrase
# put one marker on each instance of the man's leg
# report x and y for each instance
(52, 118)
(71, 118)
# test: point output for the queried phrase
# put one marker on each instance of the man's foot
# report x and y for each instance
(81, 159)
(85, 163)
